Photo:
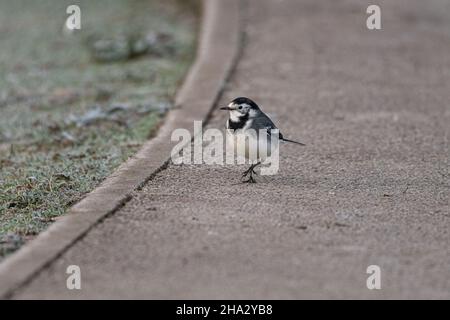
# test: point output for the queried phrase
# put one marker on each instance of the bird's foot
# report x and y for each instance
(249, 180)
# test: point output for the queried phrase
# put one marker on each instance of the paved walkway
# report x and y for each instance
(371, 187)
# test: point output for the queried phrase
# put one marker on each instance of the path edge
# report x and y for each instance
(218, 50)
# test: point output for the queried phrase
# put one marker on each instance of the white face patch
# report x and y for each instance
(235, 115)
(241, 110)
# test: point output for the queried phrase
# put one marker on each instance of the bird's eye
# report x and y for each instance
(240, 107)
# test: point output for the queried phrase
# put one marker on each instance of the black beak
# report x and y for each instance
(226, 108)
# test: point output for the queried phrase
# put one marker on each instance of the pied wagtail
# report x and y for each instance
(245, 114)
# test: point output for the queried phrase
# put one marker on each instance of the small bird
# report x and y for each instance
(245, 114)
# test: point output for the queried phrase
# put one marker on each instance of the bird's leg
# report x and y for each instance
(246, 172)
(254, 166)
(250, 171)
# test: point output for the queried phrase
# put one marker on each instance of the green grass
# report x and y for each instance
(51, 153)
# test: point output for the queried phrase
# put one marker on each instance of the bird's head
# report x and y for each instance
(241, 107)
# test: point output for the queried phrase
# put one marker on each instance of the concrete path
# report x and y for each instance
(370, 188)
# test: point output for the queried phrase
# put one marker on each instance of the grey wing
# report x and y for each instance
(264, 122)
